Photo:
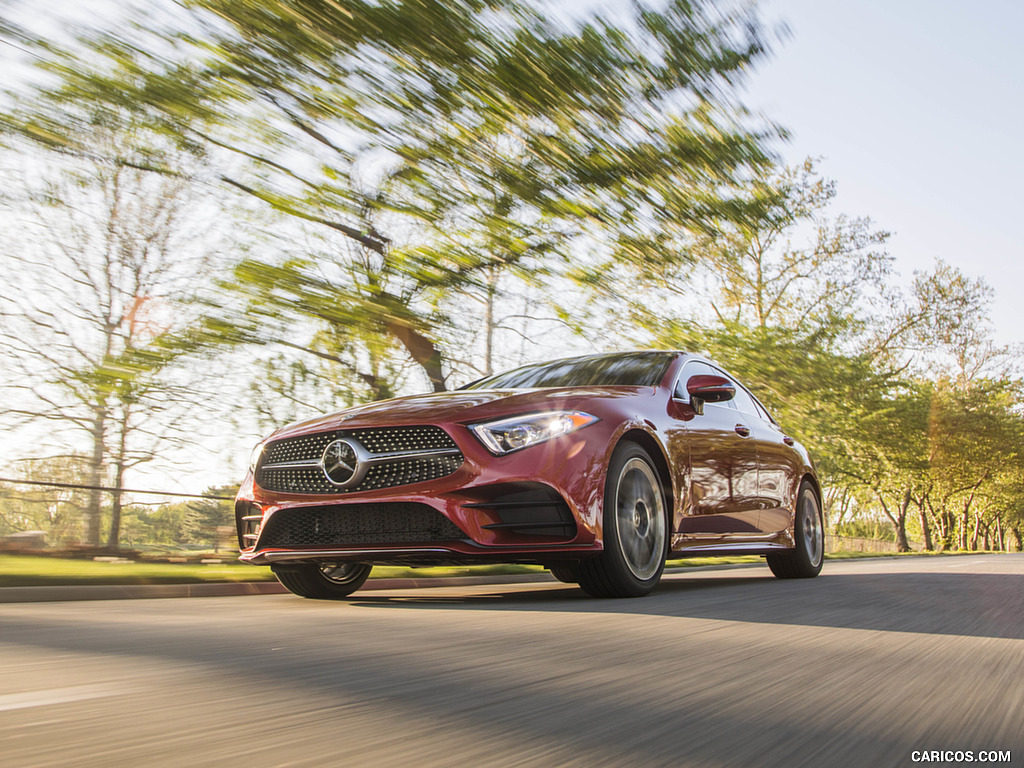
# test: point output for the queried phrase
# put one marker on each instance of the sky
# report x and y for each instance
(915, 108)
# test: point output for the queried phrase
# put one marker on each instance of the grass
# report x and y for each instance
(33, 571)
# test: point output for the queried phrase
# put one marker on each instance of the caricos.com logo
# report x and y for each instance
(960, 756)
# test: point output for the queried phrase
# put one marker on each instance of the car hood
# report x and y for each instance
(461, 406)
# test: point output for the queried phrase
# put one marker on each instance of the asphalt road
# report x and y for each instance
(860, 667)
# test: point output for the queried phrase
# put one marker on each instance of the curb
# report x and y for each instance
(232, 589)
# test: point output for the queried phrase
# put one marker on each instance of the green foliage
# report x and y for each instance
(841, 359)
(431, 142)
(162, 526)
(866, 529)
(58, 512)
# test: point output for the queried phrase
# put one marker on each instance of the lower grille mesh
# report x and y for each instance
(357, 525)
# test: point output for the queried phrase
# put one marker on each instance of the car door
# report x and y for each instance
(722, 494)
(779, 469)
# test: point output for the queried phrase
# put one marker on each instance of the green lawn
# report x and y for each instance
(29, 570)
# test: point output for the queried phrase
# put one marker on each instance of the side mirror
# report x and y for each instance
(704, 388)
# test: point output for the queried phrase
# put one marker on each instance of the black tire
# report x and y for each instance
(804, 561)
(567, 573)
(635, 529)
(322, 581)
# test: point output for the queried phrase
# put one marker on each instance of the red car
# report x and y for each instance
(597, 467)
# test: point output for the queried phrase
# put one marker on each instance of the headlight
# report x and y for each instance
(508, 435)
(256, 455)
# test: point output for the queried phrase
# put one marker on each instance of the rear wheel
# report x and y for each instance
(635, 529)
(804, 561)
(322, 581)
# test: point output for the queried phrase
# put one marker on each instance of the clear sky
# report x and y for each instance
(916, 108)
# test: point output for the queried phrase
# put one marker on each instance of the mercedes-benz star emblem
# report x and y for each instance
(341, 462)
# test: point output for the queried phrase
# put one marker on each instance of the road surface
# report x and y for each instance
(863, 666)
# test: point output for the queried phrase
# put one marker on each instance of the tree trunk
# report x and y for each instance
(492, 290)
(926, 528)
(422, 350)
(976, 534)
(837, 505)
(1018, 540)
(899, 522)
(114, 538)
(944, 521)
(94, 505)
(1000, 535)
(949, 529)
(902, 545)
(965, 518)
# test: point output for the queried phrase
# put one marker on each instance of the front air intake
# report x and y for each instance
(345, 525)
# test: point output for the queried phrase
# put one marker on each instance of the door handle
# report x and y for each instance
(743, 430)
(788, 440)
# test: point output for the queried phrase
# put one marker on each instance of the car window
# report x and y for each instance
(638, 369)
(695, 368)
(744, 402)
(692, 368)
(763, 412)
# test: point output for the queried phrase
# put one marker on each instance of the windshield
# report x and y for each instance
(638, 369)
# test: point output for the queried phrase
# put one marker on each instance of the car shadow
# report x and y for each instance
(967, 604)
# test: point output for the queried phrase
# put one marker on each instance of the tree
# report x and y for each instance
(443, 141)
(207, 519)
(890, 457)
(976, 438)
(789, 263)
(785, 299)
(949, 328)
(93, 311)
(58, 512)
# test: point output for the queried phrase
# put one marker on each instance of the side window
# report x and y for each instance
(742, 402)
(763, 412)
(745, 403)
(690, 369)
(694, 368)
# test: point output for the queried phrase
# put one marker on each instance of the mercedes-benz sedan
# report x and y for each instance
(598, 467)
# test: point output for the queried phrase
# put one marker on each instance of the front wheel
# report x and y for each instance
(804, 561)
(635, 529)
(567, 573)
(322, 581)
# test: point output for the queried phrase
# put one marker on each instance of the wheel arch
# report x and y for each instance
(655, 450)
(809, 477)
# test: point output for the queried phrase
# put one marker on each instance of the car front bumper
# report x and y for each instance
(540, 504)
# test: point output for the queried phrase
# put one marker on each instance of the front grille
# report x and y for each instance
(386, 439)
(309, 477)
(298, 448)
(357, 525)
